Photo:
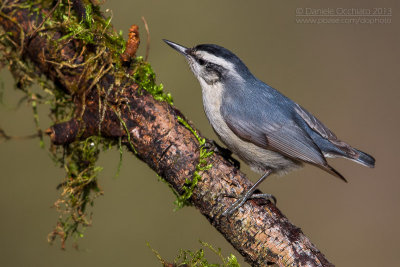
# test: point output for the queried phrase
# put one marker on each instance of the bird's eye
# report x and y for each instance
(201, 61)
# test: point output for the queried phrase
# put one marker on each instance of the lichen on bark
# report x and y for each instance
(83, 48)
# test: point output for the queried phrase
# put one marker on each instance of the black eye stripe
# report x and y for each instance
(198, 59)
(201, 61)
(207, 64)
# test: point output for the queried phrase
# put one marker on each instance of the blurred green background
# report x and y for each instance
(346, 74)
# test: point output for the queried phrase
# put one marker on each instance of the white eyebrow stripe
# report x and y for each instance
(216, 60)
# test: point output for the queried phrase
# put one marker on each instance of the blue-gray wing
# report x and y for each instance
(272, 129)
(318, 127)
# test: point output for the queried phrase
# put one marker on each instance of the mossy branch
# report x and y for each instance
(197, 258)
(98, 100)
(191, 183)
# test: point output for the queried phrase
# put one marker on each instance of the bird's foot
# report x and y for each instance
(242, 199)
(224, 152)
(249, 195)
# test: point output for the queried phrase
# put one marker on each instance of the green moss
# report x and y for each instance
(190, 184)
(80, 187)
(145, 77)
(33, 98)
(92, 29)
(197, 258)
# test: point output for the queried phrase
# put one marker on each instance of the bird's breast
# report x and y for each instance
(258, 158)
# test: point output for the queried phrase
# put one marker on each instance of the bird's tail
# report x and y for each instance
(363, 158)
(354, 155)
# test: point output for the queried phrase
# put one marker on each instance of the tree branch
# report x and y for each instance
(111, 105)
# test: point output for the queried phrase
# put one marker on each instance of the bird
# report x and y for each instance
(267, 130)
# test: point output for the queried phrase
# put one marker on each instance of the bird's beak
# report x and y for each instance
(181, 49)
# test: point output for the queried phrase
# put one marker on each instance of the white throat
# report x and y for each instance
(212, 99)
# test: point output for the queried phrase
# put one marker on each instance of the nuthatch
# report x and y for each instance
(267, 130)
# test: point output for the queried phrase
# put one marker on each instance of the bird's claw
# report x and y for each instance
(241, 200)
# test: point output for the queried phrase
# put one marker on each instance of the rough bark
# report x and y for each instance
(258, 230)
